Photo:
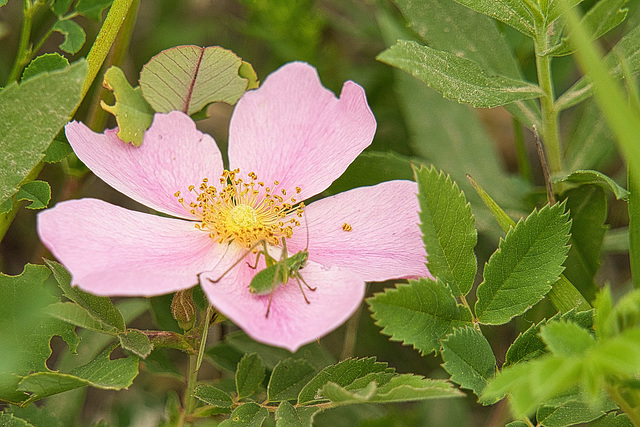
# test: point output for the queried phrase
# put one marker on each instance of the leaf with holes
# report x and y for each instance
(188, 78)
(37, 192)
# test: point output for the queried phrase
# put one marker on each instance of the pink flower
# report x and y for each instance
(292, 135)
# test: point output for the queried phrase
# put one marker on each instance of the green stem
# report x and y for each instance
(23, 44)
(7, 218)
(107, 35)
(550, 133)
(633, 415)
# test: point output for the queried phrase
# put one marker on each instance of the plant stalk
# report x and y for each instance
(23, 44)
(550, 132)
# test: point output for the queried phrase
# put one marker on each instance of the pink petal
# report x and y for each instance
(110, 250)
(295, 131)
(385, 240)
(173, 155)
(291, 322)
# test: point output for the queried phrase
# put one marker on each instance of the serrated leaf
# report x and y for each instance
(448, 230)
(597, 178)
(74, 35)
(136, 342)
(612, 420)
(47, 99)
(419, 313)
(288, 378)
(249, 375)
(25, 331)
(587, 206)
(604, 16)
(37, 192)
(8, 420)
(246, 415)
(401, 388)
(511, 12)
(45, 63)
(468, 358)
(528, 261)
(57, 151)
(628, 48)
(213, 396)
(100, 307)
(76, 315)
(133, 114)
(38, 416)
(101, 373)
(187, 78)
(528, 344)
(288, 416)
(316, 355)
(92, 8)
(566, 338)
(472, 36)
(457, 78)
(342, 374)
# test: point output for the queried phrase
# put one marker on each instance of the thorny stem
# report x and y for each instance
(550, 134)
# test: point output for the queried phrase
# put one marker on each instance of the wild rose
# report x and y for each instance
(288, 141)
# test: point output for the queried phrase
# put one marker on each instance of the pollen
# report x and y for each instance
(347, 227)
(244, 211)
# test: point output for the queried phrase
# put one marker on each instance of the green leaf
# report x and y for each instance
(448, 230)
(624, 315)
(628, 48)
(213, 396)
(92, 8)
(38, 416)
(566, 338)
(60, 7)
(246, 415)
(100, 307)
(136, 342)
(592, 145)
(342, 374)
(597, 178)
(457, 78)
(604, 16)
(429, 117)
(557, 8)
(587, 206)
(37, 192)
(528, 344)
(612, 420)
(528, 261)
(8, 420)
(371, 168)
(45, 63)
(133, 114)
(288, 378)
(570, 412)
(74, 35)
(468, 358)
(316, 355)
(419, 313)
(187, 78)
(57, 151)
(25, 331)
(288, 416)
(249, 375)
(101, 373)
(401, 388)
(76, 315)
(511, 12)
(47, 99)
(472, 36)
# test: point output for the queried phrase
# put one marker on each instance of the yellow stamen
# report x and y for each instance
(244, 212)
(347, 227)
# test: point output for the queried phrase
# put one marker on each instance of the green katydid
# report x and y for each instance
(276, 273)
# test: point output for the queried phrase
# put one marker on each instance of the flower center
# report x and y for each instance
(244, 212)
